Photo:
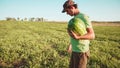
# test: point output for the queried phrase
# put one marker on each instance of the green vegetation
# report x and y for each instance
(43, 45)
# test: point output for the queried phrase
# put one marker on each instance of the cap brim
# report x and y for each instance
(63, 11)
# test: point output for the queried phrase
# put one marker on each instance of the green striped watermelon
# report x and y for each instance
(77, 26)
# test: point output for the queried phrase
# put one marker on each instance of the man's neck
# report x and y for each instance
(76, 13)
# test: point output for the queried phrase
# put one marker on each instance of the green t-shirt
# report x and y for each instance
(81, 45)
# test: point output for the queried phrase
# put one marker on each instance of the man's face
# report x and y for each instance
(70, 11)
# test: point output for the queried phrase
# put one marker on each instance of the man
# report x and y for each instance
(79, 44)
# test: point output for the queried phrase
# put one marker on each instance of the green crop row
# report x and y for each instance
(44, 44)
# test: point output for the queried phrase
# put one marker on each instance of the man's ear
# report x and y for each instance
(72, 7)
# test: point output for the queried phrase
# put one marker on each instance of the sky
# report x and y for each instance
(97, 10)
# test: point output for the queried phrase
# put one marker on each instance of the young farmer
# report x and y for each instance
(79, 43)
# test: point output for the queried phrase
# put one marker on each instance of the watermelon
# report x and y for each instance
(77, 26)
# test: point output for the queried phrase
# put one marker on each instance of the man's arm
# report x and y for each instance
(69, 49)
(90, 34)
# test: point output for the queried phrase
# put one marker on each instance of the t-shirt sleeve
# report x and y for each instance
(87, 22)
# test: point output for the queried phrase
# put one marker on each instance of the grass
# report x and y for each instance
(43, 45)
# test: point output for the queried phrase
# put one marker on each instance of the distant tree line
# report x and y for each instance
(105, 21)
(26, 19)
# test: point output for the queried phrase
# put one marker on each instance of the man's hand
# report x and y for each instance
(88, 36)
(69, 49)
(73, 35)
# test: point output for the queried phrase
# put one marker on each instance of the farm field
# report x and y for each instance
(44, 44)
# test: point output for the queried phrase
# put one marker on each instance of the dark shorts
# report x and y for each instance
(79, 60)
